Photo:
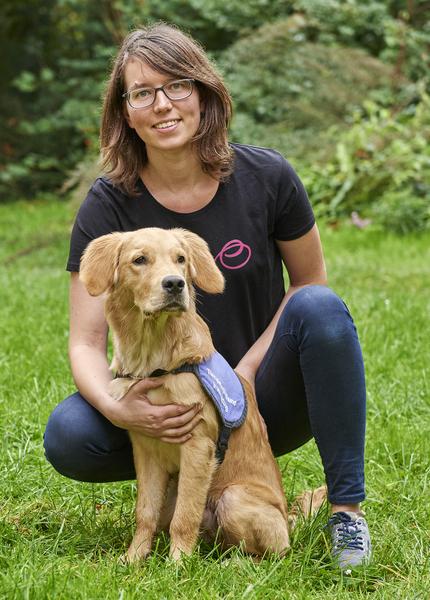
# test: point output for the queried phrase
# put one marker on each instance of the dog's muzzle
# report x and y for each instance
(173, 287)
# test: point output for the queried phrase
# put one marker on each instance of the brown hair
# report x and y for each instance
(168, 50)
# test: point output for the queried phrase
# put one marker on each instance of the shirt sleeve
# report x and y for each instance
(294, 215)
(95, 217)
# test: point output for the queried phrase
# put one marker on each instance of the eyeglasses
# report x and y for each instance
(174, 90)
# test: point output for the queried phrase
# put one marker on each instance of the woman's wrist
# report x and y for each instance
(103, 403)
(247, 370)
(110, 409)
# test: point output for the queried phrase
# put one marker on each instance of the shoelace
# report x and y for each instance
(348, 532)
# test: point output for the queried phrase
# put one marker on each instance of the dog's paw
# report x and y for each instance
(176, 556)
(132, 556)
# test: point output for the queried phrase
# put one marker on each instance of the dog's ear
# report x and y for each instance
(99, 263)
(204, 271)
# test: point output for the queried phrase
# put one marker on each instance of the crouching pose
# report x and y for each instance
(168, 165)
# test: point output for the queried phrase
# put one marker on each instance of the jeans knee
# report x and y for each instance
(67, 438)
(319, 314)
(82, 444)
(62, 440)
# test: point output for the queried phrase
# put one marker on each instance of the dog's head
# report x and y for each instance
(155, 267)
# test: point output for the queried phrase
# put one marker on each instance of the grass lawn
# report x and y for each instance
(61, 539)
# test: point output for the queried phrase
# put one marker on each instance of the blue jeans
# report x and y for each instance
(309, 384)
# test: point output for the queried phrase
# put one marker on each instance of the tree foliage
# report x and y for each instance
(218, 23)
(51, 90)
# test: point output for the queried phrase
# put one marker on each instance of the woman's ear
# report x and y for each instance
(99, 263)
(204, 271)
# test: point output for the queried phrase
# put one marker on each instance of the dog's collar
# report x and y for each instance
(224, 388)
(185, 368)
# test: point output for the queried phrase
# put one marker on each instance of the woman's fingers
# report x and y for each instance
(144, 385)
(178, 420)
(176, 432)
(168, 422)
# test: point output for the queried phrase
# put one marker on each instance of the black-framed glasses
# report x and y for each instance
(174, 90)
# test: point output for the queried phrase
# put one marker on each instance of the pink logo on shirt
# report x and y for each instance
(234, 249)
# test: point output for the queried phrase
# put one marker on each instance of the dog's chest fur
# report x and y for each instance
(168, 455)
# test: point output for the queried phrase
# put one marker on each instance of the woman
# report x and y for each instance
(169, 164)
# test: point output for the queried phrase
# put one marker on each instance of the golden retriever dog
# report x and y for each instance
(148, 278)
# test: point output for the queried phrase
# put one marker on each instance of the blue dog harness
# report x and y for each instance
(224, 388)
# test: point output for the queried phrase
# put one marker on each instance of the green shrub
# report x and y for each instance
(287, 91)
(402, 211)
(352, 23)
(396, 32)
(275, 77)
(381, 168)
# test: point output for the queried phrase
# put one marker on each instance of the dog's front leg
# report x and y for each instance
(195, 475)
(152, 480)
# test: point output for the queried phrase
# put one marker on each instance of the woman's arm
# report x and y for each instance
(304, 261)
(88, 345)
(87, 350)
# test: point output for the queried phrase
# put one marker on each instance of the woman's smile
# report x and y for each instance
(167, 126)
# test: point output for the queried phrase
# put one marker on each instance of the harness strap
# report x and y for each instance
(222, 443)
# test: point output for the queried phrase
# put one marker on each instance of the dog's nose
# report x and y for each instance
(173, 284)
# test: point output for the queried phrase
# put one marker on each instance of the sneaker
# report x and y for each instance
(350, 539)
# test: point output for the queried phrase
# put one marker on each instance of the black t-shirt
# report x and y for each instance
(262, 201)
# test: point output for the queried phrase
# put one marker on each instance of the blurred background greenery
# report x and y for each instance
(341, 88)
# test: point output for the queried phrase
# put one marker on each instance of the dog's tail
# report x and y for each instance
(305, 505)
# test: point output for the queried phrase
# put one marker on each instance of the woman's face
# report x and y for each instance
(165, 125)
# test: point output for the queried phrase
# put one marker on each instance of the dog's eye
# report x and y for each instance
(181, 259)
(140, 260)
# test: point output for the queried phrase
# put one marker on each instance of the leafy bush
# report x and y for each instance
(403, 212)
(352, 23)
(396, 32)
(288, 92)
(408, 48)
(381, 168)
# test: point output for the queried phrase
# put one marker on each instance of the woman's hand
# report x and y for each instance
(171, 423)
